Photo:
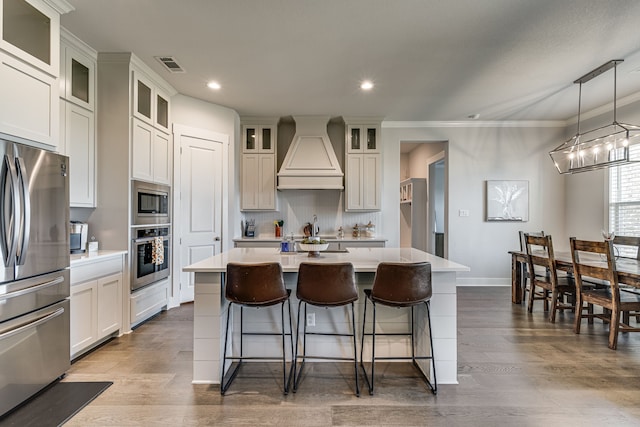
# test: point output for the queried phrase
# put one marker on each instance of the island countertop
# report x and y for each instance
(363, 259)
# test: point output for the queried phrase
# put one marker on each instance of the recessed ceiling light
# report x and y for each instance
(366, 85)
(213, 85)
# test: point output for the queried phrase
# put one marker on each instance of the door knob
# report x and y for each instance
(217, 239)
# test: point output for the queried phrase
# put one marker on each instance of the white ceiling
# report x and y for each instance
(430, 60)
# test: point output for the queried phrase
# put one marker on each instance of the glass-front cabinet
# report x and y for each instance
(363, 164)
(151, 103)
(77, 71)
(30, 31)
(258, 165)
(362, 139)
(29, 69)
(258, 139)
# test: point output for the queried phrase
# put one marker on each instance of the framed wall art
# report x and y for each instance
(507, 201)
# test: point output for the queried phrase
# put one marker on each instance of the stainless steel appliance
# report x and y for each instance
(150, 256)
(34, 274)
(78, 232)
(150, 203)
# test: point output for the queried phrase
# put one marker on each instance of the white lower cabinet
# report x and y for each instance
(148, 301)
(96, 303)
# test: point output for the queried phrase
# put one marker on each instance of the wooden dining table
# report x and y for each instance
(628, 270)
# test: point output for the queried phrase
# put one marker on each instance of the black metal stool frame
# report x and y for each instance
(297, 373)
(224, 386)
(432, 386)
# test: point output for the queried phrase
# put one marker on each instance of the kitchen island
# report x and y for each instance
(210, 308)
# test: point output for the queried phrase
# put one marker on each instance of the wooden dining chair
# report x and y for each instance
(625, 246)
(553, 289)
(628, 242)
(595, 260)
(526, 283)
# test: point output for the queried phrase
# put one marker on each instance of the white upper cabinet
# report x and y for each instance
(363, 162)
(258, 166)
(29, 69)
(30, 31)
(362, 138)
(78, 63)
(150, 102)
(77, 71)
(259, 139)
(151, 153)
(152, 146)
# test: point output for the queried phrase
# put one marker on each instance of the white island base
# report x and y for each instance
(210, 311)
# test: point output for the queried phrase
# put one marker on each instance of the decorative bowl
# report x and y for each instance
(314, 249)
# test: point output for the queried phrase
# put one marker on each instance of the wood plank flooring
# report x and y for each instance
(515, 368)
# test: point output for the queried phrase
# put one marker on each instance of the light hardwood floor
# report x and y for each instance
(514, 368)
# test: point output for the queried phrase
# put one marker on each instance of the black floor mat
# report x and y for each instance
(55, 405)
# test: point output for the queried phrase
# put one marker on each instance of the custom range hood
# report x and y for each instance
(310, 163)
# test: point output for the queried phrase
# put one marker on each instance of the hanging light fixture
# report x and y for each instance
(603, 147)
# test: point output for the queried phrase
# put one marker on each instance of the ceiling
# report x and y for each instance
(430, 60)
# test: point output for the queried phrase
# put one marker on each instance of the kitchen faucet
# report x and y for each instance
(314, 227)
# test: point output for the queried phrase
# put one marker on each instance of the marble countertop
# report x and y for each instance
(328, 238)
(88, 257)
(363, 259)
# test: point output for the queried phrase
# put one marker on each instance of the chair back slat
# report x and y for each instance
(539, 251)
(629, 241)
(593, 259)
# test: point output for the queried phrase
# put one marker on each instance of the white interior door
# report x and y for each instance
(200, 206)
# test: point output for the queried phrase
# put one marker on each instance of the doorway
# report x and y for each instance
(436, 226)
(425, 161)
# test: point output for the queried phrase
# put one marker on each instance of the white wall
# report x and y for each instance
(474, 155)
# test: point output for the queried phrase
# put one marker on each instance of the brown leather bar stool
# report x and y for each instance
(325, 285)
(256, 286)
(399, 285)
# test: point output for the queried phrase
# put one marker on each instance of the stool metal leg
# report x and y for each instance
(434, 385)
(225, 385)
(370, 380)
(298, 371)
(355, 349)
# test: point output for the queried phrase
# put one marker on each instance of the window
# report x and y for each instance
(624, 199)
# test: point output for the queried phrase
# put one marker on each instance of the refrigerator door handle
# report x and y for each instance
(32, 289)
(25, 223)
(8, 229)
(33, 324)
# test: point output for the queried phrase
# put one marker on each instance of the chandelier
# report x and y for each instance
(602, 147)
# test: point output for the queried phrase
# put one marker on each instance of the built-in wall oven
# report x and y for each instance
(150, 203)
(151, 250)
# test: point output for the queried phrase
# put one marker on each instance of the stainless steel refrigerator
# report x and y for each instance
(34, 273)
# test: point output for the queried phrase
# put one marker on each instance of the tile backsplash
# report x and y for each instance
(297, 207)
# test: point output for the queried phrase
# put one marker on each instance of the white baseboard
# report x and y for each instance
(483, 281)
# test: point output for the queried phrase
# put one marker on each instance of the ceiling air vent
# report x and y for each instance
(170, 64)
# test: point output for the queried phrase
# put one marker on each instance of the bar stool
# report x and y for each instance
(325, 285)
(255, 286)
(400, 285)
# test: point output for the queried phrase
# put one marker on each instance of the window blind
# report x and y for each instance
(624, 200)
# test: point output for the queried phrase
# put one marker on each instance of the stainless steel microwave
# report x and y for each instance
(150, 204)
